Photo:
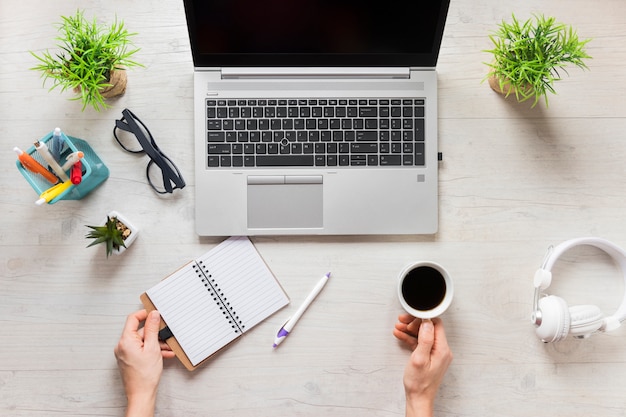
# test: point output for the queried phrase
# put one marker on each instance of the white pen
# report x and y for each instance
(43, 151)
(71, 159)
(289, 325)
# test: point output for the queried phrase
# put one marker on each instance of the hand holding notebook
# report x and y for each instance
(214, 299)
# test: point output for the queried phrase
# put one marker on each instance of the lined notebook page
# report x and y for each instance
(247, 282)
(194, 312)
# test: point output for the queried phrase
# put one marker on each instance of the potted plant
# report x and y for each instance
(92, 61)
(117, 234)
(529, 57)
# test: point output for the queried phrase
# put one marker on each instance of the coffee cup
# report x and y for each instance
(425, 289)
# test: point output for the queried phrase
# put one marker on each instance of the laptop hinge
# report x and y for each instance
(315, 73)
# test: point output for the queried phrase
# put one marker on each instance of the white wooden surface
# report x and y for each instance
(514, 180)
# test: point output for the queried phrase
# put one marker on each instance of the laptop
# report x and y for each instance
(315, 117)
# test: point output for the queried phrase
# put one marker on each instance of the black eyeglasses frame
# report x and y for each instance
(130, 123)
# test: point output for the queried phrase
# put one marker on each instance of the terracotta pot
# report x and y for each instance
(118, 80)
(494, 83)
(507, 89)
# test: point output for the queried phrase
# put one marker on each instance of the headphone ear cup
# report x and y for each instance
(555, 319)
(585, 319)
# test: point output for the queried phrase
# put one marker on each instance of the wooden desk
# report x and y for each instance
(514, 180)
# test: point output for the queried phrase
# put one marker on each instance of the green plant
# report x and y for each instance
(88, 55)
(528, 56)
(112, 234)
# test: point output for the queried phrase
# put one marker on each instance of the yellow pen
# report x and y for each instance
(53, 192)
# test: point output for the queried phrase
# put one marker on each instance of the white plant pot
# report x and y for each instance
(134, 231)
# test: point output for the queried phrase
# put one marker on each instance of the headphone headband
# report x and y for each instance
(543, 276)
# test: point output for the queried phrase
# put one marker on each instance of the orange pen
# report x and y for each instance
(32, 165)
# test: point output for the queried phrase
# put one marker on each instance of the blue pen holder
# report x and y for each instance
(94, 170)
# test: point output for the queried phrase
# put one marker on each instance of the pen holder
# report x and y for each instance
(93, 169)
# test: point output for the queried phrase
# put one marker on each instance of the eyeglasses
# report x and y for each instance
(137, 142)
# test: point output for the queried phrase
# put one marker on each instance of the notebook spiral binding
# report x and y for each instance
(218, 296)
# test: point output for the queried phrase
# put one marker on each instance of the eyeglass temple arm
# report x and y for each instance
(166, 171)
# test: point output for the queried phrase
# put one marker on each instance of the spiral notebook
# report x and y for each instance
(214, 299)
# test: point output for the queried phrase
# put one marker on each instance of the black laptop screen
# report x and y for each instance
(326, 33)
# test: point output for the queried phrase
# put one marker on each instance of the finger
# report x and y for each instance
(414, 326)
(409, 340)
(425, 338)
(440, 333)
(401, 327)
(167, 354)
(133, 320)
(405, 318)
(151, 329)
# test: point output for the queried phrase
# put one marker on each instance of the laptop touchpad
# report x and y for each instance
(285, 201)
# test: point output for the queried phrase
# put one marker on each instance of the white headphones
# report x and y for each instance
(554, 320)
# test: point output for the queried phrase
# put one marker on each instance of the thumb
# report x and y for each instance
(425, 338)
(151, 328)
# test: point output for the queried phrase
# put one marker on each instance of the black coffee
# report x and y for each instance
(424, 288)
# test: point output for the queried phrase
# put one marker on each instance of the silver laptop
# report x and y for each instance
(315, 116)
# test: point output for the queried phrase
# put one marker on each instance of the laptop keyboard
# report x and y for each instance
(315, 132)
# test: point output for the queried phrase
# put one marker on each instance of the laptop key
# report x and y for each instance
(390, 160)
(364, 147)
(216, 137)
(366, 135)
(285, 160)
(214, 125)
(214, 161)
(420, 158)
(358, 160)
(419, 130)
(225, 161)
(219, 149)
(368, 111)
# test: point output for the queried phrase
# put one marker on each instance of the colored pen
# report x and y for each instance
(71, 159)
(56, 144)
(42, 148)
(76, 173)
(53, 192)
(32, 165)
(289, 325)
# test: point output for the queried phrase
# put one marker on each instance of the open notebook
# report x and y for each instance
(214, 300)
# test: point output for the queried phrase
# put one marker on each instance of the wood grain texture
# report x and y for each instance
(514, 180)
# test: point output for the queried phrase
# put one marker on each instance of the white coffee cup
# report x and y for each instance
(425, 289)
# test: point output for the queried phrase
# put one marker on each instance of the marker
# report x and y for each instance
(43, 151)
(32, 165)
(53, 192)
(71, 159)
(76, 173)
(289, 325)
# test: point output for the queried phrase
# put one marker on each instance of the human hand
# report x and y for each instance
(428, 364)
(140, 361)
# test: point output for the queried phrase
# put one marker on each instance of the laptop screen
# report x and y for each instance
(318, 33)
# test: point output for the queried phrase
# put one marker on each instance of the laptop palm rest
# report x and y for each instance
(285, 201)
